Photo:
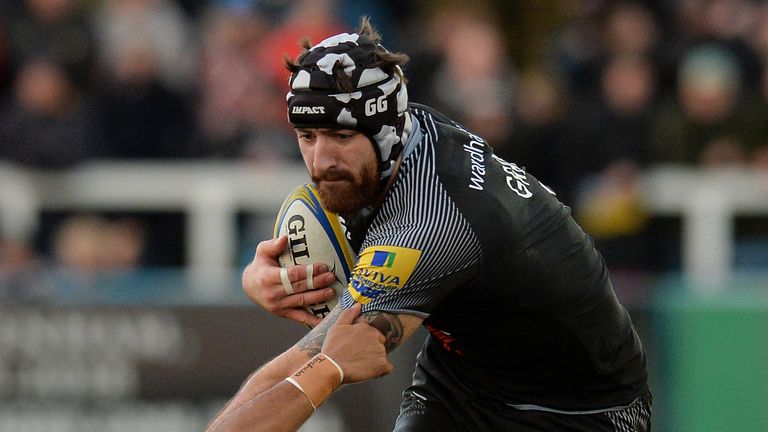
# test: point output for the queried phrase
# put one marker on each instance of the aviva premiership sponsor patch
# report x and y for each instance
(381, 269)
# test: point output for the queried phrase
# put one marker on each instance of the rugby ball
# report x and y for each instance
(315, 235)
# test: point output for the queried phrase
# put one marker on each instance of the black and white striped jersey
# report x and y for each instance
(513, 292)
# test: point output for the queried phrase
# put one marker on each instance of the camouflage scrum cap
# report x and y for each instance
(375, 105)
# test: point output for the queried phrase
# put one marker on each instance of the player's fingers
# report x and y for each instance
(317, 282)
(348, 316)
(262, 289)
(306, 298)
(286, 281)
(309, 277)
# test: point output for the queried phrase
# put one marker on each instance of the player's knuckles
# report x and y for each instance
(324, 280)
(299, 286)
(294, 301)
(297, 273)
(252, 279)
(271, 299)
(302, 300)
(248, 276)
(312, 297)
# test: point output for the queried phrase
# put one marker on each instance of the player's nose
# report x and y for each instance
(326, 154)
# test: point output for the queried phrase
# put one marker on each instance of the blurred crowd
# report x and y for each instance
(584, 93)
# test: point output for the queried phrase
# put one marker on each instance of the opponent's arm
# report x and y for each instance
(283, 407)
(267, 401)
(273, 373)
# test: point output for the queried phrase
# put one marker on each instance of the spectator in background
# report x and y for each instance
(160, 25)
(143, 118)
(608, 53)
(630, 29)
(599, 156)
(634, 29)
(609, 150)
(46, 119)
(611, 209)
(604, 62)
(237, 112)
(146, 64)
(88, 244)
(55, 29)
(727, 23)
(474, 81)
(49, 122)
(710, 105)
(87, 250)
(618, 125)
(315, 19)
(576, 49)
(228, 78)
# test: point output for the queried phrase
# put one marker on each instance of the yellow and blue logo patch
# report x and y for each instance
(382, 269)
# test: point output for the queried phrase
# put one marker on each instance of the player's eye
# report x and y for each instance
(306, 136)
(344, 136)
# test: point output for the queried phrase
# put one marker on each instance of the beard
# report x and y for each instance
(341, 192)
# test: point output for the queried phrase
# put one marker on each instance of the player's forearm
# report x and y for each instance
(287, 404)
(262, 381)
(281, 366)
(282, 408)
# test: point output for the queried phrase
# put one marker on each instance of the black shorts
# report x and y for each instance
(432, 406)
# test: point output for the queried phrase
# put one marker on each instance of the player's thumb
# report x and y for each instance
(270, 249)
(348, 316)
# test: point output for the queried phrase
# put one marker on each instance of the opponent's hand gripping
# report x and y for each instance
(357, 347)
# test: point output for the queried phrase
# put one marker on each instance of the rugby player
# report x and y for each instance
(525, 330)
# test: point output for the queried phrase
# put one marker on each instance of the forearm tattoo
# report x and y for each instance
(312, 343)
(389, 325)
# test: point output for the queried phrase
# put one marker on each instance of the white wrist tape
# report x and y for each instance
(317, 379)
(341, 372)
(301, 389)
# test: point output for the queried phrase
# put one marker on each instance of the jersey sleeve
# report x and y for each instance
(410, 260)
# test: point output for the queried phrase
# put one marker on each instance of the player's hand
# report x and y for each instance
(357, 347)
(262, 284)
